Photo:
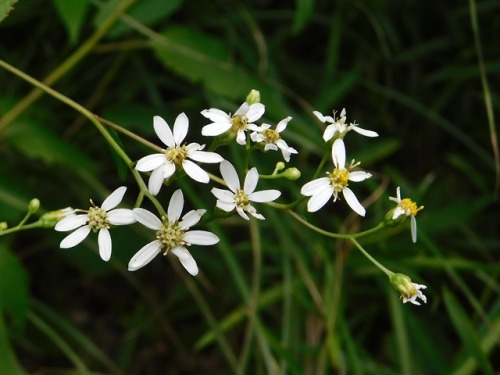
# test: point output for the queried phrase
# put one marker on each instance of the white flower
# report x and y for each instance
(239, 198)
(272, 139)
(176, 155)
(172, 235)
(321, 189)
(240, 121)
(96, 219)
(338, 125)
(409, 291)
(406, 207)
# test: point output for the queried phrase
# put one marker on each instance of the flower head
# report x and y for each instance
(237, 123)
(240, 198)
(172, 235)
(321, 189)
(338, 126)
(272, 139)
(409, 291)
(408, 208)
(96, 219)
(176, 155)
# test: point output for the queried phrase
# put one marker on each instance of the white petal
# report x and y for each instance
(282, 124)
(150, 162)
(114, 199)
(319, 199)
(338, 153)
(229, 175)
(366, 133)
(147, 218)
(353, 202)
(104, 241)
(251, 180)
(75, 237)
(205, 157)
(241, 137)
(156, 180)
(71, 222)
(163, 131)
(144, 255)
(242, 213)
(181, 127)
(319, 116)
(264, 196)
(315, 186)
(191, 218)
(359, 176)
(195, 171)
(242, 110)
(216, 115)
(252, 211)
(175, 206)
(255, 112)
(223, 195)
(226, 206)
(329, 132)
(200, 237)
(186, 259)
(216, 128)
(413, 226)
(121, 216)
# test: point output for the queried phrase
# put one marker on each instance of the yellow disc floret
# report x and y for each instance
(170, 235)
(176, 155)
(270, 136)
(239, 123)
(241, 199)
(97, 219)
(409, 207)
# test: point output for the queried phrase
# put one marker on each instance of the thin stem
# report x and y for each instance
(372, 259)
(20, 227)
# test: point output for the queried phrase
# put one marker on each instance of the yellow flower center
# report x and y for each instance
(338, 179)
(239, 123)
(97, 219)
(241, 199)
(176, 155)
(170, 235)
(270, 135)
(409, 207)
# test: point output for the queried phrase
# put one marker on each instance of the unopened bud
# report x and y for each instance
(3, 226)
(291, 174)
(50, 219)
(253, 97)
(33, 206)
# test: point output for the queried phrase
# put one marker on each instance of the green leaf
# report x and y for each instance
(72, 14)
(5, 8)
(13, 287)
(303, 14)
(9, 363)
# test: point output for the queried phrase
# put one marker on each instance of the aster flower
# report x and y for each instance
(338, 125)
(97, 219)
(272, 139)
(321, 189)
(176, 155)
(239, 198)
(172, 235)
(238, 123)
(408, 208)
(409, 291)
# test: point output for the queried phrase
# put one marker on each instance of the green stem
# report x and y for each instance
(20, 227)
(372, 259)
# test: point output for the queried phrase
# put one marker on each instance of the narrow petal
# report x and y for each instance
(216, 128)
(353, 202)
(181, 127)
(251, 180)
(200, 237)
(186, 259)
(144, 255)
(338, 153)
(156, 181)
(215, 115)
(104, 241)
(114, 199)
(175, 206)
(242, 213)
(413, 226)
(329, 132)
(195, 171)
(319, 116)
(283, 124)
(147, 218)
(242, 110)
(121, 216)
(150, 162)
(359, 176)
(163, 131)
(75, 237)
(319, 199)
(229, 175)
(264, 196)
(315, 186)
(366, 133)
(205, 157)
(71, 223)
(223, 195)
(252, 211)
(191, 218)
(226, 206)
(241, 138)
(255, 112)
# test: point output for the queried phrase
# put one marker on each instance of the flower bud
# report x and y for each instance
(253, 97)
(409, 291)
(279, 166)
(390, 222)
(3, 226)
(291, 174)
(50, 219)
(33, 206)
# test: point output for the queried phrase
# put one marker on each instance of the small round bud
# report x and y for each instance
(291, 174)
(50, 219)
(279, 166)
(33, 206)
(253, 97)
(3, 226)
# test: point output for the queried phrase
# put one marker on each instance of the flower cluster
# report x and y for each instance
(172, 230)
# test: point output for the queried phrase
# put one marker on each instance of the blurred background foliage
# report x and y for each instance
(310, 305)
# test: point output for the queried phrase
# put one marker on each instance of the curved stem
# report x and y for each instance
(372, 259)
